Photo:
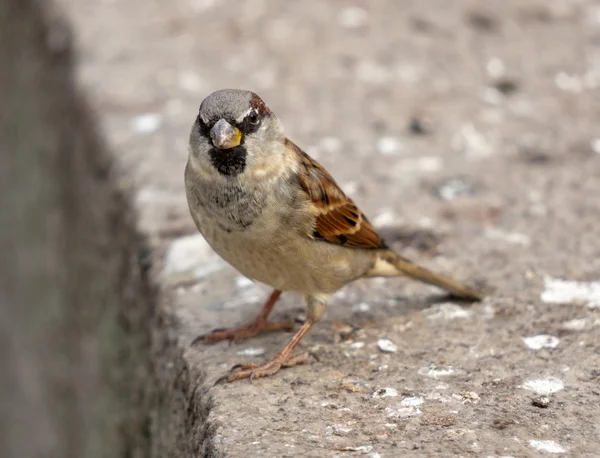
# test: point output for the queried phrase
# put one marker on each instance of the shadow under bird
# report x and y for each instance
(279, 218)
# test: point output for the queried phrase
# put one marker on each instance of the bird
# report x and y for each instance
(279, 218)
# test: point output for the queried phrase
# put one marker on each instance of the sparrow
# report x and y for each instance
(278, 217)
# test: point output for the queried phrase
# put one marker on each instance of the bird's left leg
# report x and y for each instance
(316, 306)
(256, 326)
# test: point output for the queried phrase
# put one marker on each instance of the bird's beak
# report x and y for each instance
(224, 135)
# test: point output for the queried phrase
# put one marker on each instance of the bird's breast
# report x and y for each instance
(230, 207)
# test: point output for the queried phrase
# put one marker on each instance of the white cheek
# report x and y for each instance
(262, 148)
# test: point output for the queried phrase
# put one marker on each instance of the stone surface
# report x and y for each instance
(509, 93)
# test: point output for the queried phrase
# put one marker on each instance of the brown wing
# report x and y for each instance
(338, 219)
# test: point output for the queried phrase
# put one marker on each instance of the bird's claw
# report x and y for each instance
(253, 371)
(243, 332)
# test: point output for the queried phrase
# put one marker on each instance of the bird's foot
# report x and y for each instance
(253, 371)
(244, 332)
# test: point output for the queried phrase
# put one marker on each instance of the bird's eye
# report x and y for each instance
(253, 118)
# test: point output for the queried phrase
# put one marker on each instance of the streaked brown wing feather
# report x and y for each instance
(337, 219)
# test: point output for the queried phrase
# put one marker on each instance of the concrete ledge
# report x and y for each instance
(468, 133)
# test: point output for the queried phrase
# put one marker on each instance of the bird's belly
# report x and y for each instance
(288, 264)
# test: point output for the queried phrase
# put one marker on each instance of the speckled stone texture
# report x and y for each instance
(467, 131)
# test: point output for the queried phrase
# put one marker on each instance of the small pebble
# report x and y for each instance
(408, 407)
(544, 386)
(350, 187)
(425, 164)
(190, 81)
(446, 311)
(577, 324)
(387, 346)
(330, 145)
(469, 397)
(338, 430)
(252, 351)
(568, 83)
(243, 282)
(435, 372)
(385, 393)
(147, 123)
(472, 142)
(363, 307)
(412, 401)
(541, 341)
(389, 146)
(495, 67)
(385, 218)
(541, 401)
(455, 187)
(547, 446)
(557, 291)
(514, 238)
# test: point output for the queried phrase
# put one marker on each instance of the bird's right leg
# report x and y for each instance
(315, 309)
(256, 326)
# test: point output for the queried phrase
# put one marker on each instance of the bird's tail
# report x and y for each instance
(417, 272)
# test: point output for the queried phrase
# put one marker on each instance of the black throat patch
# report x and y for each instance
(229, 162)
